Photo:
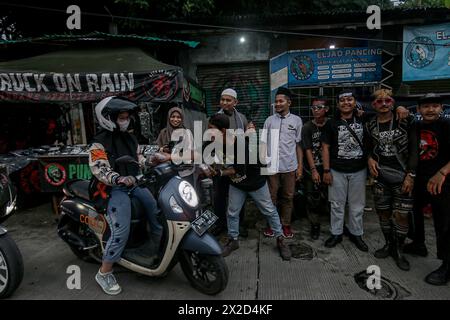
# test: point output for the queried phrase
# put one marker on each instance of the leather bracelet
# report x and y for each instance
(440, 171)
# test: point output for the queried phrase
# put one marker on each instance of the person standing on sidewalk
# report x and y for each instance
(228, 103)
(392, 158)
(245, 180)
(285, 156)
(344, 167)
(312, 148)
(432, 185)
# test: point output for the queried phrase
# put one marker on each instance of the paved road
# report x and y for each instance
(256, 271)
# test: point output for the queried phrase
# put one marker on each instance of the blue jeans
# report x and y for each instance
(262, 200)
(119, 218)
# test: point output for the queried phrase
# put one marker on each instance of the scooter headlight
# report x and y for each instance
(188, 194)
(174, 205)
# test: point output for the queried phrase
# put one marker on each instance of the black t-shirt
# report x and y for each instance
(248, 175)
(346, 154)
(434, 147)
(311, 135)
(386, 150)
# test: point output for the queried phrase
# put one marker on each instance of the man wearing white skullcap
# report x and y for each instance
(228, 102)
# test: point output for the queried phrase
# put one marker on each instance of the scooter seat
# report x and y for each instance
(79, 188)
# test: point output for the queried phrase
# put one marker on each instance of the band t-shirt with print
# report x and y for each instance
(346, 154)
(386, 148)
(434, 147)
(311, 139)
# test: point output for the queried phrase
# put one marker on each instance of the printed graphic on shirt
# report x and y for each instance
(386, 145)
(98, 154)
(429, 145)
(348, 147)
(317, 148)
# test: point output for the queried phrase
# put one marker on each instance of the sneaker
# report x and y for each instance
(333, 240)
(229, 247)
(285, 252)
(440, 276)
(108, 283)
(287, 232)
(268, 232)
(359, 243)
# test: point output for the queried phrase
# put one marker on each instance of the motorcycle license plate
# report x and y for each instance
(204, 222)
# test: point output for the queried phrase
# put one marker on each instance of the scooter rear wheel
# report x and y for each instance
(11, 266)
(206, 273)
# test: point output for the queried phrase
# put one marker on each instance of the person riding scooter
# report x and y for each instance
(112, 142)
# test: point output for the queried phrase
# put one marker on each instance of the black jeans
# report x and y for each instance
(440, 205)
(316, 199)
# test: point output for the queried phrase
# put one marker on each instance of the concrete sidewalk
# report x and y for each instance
(256, 270)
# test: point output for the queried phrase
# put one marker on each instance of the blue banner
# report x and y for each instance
(314, 67)
(426, 52)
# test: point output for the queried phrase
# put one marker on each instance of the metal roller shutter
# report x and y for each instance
(251, 82)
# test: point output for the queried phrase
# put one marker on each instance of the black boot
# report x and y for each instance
(397, 251)
(385, 251)
(440, 276)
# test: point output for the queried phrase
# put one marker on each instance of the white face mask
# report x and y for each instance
(123, 125)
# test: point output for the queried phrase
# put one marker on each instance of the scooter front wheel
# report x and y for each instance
(206, 273)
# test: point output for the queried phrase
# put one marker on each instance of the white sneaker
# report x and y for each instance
(108, 283)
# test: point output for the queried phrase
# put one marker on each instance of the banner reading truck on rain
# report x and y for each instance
(314, 67)
(426, 52)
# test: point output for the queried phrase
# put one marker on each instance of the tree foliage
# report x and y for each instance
(422, 3)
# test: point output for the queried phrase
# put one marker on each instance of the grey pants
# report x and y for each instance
(351, 188)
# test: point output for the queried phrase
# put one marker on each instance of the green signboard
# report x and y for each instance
(54, 172)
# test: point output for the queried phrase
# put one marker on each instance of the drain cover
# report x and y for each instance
(301, 251)
(389, 289)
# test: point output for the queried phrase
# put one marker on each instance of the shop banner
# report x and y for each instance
(54, 172)
(155, 86)
(426, 52)
(315, 67)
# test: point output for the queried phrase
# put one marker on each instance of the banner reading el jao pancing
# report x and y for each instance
(426, 52)
(311, 67)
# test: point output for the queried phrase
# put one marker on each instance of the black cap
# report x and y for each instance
(285, 91)
(430, 97)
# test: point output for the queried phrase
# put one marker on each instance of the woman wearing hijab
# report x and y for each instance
(182, 140)
(175, 120)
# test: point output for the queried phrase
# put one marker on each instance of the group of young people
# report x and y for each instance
(332, 155)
